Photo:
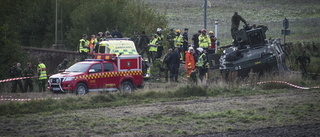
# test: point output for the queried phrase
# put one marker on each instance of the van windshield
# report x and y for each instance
(79, 67)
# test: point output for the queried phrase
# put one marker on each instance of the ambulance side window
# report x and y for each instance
(108, 67)
(97, 68)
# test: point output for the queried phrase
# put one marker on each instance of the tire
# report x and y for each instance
(126, 87)
(81, 89)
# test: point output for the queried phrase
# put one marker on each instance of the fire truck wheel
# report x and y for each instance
(126, 87)
(81, 89)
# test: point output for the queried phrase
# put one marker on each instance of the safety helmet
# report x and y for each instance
(177, 31)
(159, 29)
(210, 32)
(190, 48)
(203, 30)
(200, 49)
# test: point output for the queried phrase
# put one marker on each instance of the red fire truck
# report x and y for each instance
(107, 72)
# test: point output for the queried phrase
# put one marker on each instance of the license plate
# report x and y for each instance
(56, 89)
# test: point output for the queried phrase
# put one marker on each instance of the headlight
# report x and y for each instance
(68, 78)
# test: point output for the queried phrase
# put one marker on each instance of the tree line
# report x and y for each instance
(31, 23)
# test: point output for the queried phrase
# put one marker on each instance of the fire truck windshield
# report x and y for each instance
(78, 67)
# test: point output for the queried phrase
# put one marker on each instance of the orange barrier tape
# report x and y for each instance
(8, 98)
(12, 79)
(292, 85)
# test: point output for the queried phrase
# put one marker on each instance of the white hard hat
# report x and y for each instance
(159, 29)
(190, 48)
(200, 49)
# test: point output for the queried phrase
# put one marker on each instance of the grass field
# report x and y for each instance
(303, 16)
(179, 109)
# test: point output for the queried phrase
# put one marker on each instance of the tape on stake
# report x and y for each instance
(292, 85)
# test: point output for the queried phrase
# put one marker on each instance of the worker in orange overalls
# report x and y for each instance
(189, 62)
(92, 44)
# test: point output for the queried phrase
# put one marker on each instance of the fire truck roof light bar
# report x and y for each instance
(117, 39)
(94, 60)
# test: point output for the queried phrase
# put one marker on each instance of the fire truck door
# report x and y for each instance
(111, 76)
(95, 76)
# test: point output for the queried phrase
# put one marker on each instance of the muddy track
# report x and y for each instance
(310, 126)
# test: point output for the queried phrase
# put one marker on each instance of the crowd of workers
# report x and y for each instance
(16, 72)
(180, 50)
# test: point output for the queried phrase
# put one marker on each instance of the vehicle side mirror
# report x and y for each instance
(91, 71)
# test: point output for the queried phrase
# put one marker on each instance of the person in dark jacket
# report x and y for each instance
(166, 64)
(195, 39)
(28, 72)
(16, 72)
(303, 61)
(116, 34)
(62, 66)
(185, 42)
(174, 65)
(143, 45)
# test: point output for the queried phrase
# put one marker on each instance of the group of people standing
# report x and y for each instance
(16, 72)
(194, 56)
(154, 45)
(88, 47)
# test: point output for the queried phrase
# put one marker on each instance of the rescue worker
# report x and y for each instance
(178, 39)
(143, 45)
(135, 38)
(193, 76)
(195, 39)
(28, 83)
(235, 20)
(15, 72)
(159, 38)
(185, 41)
(202, 63)
(190, 63)
(212, 46)
(204, 40)
(170, 38)
(153, 47)
(92, 44)
(62, 66)
(98, 40)
(42, 76)
(108, 35)
(166, 64)
(174, 65)
(84, 47)
(303, 61)
(116, 34)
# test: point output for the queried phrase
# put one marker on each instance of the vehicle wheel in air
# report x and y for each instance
(126, 87)
(81, 89)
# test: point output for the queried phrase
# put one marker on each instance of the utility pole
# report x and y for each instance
(205, 14)
(216, 34)
(58, 43)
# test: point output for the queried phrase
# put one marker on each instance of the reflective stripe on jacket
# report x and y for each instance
(201, 60)
(204, 41)
(178, 41)
(42, 71)
(153, 45)
(81, 47)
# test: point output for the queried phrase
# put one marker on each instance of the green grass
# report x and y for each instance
(303, 16)
(51, 106)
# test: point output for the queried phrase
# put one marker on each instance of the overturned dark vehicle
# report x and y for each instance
(252, 52)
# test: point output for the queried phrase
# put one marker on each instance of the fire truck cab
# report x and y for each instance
(110, 71)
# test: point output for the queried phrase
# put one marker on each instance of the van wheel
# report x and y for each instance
(126, 87)
(81, 89)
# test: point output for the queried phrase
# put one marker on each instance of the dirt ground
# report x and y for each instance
(31, 126)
